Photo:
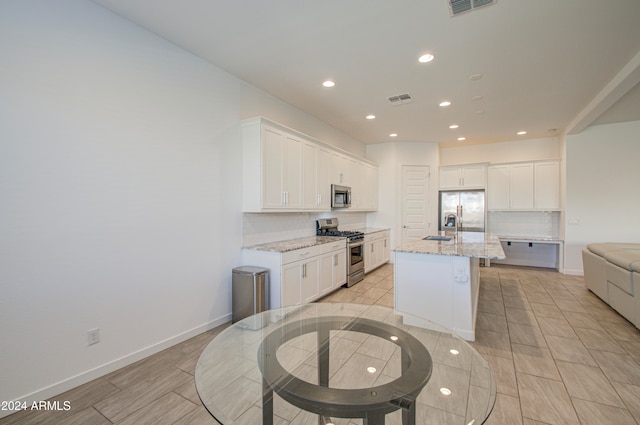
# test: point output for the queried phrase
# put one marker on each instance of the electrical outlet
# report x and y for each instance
(93, 336)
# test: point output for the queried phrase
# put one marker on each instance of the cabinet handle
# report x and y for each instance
(385, 243)
(302, 254)
(335, 259)
(286, 198)
(371, 247)
(304, 271)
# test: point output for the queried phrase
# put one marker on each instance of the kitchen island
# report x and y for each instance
(439, 280)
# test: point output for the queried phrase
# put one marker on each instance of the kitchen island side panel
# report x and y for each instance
(273, 262)
(440, 288)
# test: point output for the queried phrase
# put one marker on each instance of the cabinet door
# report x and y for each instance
(310, 288)
(473, 176)
(339, 165)
(291, 284)
(358, 179)
(292, 172)
(273, 166)
(309, 175)
(521, 189)
(386, 250)
(326, 274)
(547, 186)
(368, 257)
(372, 187)
(339, 267)
(498, 187)
(377, 252)
(323, 171)
(450, 177)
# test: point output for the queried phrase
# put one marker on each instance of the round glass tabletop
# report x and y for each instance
(319, 363)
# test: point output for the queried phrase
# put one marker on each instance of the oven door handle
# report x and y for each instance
(355, 244)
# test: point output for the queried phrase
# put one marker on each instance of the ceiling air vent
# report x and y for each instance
(400, 99)
(457, 7)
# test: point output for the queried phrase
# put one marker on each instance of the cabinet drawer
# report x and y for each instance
(334, 246)
(313, 251)
(375, 236)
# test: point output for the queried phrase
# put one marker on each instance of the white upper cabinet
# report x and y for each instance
(272, 166)
(498, 191)
(547, 185)
(323, 175)
(316, 189)
(283, 170)
(470, 176)
(340, 169)
(364, 186)
(524, 186)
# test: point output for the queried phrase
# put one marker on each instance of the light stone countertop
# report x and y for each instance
(293, 244)
(529, 238)
(465, 244)
(369, 230)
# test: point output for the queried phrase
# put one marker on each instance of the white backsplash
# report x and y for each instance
(524, 223)
(260, 228)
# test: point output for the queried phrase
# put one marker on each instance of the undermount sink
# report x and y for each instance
(437, 238)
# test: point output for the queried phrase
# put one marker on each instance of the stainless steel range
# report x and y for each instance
(355, 247)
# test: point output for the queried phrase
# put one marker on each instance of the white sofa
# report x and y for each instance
(612, 272)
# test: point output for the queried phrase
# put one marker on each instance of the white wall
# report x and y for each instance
(603, 175)
(390, 158)
(120, 192)
(512, 151)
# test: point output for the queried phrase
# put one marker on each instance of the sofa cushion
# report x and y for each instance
(623, 258)
(604, 247)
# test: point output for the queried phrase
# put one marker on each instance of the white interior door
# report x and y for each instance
(415, 202)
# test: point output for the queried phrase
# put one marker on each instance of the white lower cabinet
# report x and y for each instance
(376, 250)
(302, 275)
(333, 271)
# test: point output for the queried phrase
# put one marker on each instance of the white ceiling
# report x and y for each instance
(543, 62)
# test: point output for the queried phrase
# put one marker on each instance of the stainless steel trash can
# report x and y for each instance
(250, 291)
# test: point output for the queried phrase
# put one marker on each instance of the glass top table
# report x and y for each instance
(335, 363)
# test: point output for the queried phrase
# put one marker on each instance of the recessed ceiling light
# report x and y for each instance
(445, 391)
(371, 369)
(393, 338)
(370, 117)
(454, 351)
(475, 77)
(521, 133)
(445, 103)
(453, 126)
(393, 135)
(461, 139)
(328, 83)
(427, 57)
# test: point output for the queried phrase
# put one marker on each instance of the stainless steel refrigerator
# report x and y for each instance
(463, 208)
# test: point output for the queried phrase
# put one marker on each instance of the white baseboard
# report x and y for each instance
(574, 272)
(89, 375)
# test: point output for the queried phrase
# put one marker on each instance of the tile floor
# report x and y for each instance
(560, 356)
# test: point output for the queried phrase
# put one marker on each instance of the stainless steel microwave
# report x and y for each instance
(340, 196)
